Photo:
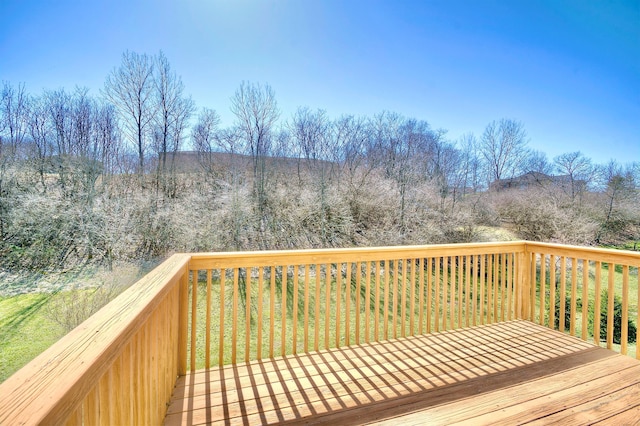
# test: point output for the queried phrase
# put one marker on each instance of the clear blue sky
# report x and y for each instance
(569, 70)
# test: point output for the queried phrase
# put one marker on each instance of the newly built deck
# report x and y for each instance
(505, 373)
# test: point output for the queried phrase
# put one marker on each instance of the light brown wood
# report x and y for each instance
(316, 302)
(429, 301)
(574, 293)
(623, 257)
(610, 300)
(468, 293)
(403, 297)
(496, 286)
(294, 337)
(385, 311)
(624, 334)
(184, 323)
(460, 266)
(338, 304)
(552, 291)
(367, 300)
(585, 298)
(221, 339)
(234, 316)
(445, 292)
(272, 310)
(53, 387)
(203, 261)
(543, 288)
(563, 292)
(495, 374)
(194, 315)
(421, 298)
(394, 300)
(207, 344)
(247, 314)
(376, 313)
(260, 324)
(357, 303)
(482, 307)
(437, 283)
(146, 337)
(306, 307)
(597, 308)
(531, 265)
(283, 312)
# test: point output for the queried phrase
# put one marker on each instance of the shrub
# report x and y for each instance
(567, 312)
(617, 319)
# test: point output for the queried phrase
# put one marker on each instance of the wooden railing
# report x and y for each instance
(572, 285)
(246, 306)
(118, 367)
(200, 310)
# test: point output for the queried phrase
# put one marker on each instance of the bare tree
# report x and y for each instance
(311, 135)
(256, 111)
(579, 170)
(205, 137)
(620, 210)
(40, 134)
(504, 148)
(470, 167)
(407, 151)
(130, 88)
(173, 111)
(13, 118)
(13, 122)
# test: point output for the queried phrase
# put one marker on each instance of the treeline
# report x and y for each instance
(96, 179)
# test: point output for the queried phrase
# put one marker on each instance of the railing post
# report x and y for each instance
(524, 284)
(183, 327)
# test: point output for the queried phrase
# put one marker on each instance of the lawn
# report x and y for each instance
(25, 330)
(27, 325)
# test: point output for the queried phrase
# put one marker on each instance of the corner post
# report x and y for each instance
(183, 325)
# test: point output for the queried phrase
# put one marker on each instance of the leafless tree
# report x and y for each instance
(578, 168)
(256, 112)
(173, 111)
(470, 166)
(40, 134)
(13, 124)
(206, 138)
(130, 88)
(620, 195)
(311, 134)
(504, 148)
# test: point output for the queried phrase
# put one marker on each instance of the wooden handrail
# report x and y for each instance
(198, 310)
(564, 275)
(345, 296)
(117, 367)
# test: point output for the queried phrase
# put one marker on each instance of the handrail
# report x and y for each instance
(197, 310)
(571, 284)
(266, 304)
(104, 371)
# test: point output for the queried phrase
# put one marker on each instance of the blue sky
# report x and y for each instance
(569, 70)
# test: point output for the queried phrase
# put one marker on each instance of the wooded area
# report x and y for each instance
(137, 172)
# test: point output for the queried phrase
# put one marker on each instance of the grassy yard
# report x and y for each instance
(31, 322)
(27, 325)
(25, 330)
(632, 297)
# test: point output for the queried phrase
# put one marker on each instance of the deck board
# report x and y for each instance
(508, 372)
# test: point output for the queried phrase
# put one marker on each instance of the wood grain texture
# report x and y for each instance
(56, 383)
(503, 373)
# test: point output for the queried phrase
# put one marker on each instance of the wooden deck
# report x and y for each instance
(505, 373)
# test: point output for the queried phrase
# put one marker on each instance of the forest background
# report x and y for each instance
(97, 189)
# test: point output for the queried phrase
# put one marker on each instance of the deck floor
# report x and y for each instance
(507, 373)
